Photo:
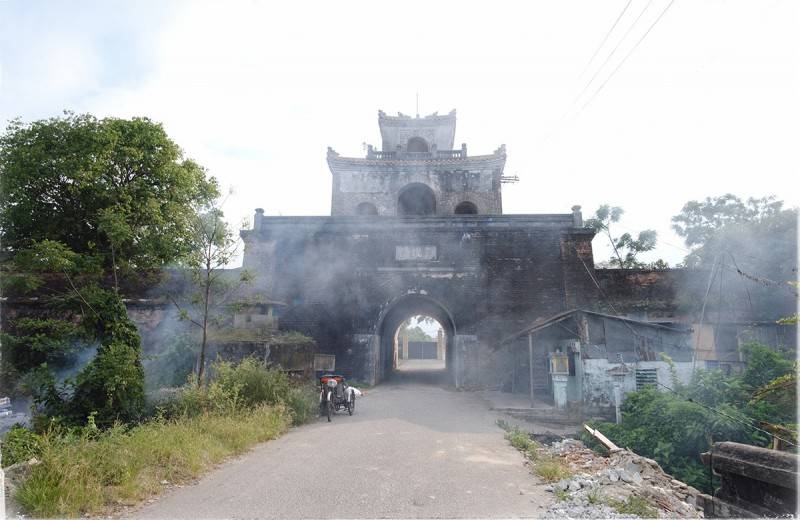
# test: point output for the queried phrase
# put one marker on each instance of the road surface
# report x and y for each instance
(411, 450)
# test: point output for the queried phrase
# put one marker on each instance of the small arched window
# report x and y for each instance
(466, 208)
(417, 145)
(366, 208)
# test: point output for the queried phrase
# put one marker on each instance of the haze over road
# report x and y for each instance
(410, 450)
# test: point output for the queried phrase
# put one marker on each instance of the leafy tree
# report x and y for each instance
(626, 247)
(749, 247)
(700, 222)
(108, 189)
(763, 365)
(214, 247)
(781, 391)
(415, 332)
(79, 198)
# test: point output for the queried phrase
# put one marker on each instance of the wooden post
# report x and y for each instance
(514, 348)
(530, 364)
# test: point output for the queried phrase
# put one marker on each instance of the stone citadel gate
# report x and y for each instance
(417, 228)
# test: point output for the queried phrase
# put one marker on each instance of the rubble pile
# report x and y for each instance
(602, 484)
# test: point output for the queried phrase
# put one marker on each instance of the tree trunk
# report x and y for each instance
(206, 296)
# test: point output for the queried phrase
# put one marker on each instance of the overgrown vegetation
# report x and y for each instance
(85, 203)
(87, 207)
(88, 470)
(634, 505)
(243, 386)
(20, 444)
(674, 428)
(548, 467)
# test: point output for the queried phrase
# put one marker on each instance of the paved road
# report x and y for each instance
(411, 450)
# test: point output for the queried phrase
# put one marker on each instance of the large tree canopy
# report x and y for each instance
(759, 233)
(101, 187)
(80, 195)
(749, 248)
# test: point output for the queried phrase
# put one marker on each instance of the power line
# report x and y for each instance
(596, 92)
(611, 54)
(605, 39)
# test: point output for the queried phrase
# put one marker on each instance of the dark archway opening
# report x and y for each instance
(366, 208)
(417, 145)
(393, 359)
(416, 199)
(466, 208)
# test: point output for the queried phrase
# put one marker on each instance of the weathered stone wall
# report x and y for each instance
(379, 182)
(489, 275)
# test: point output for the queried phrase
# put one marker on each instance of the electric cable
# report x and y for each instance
(605, 39)
(611, 54)
(628, 55)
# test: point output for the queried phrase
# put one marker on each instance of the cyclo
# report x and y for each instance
(335, 395)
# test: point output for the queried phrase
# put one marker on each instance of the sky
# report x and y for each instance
(684, 99)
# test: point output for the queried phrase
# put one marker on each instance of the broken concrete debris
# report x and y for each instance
(621, 485)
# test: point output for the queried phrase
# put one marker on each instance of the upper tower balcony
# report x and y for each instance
(406, 137)
(402, 154)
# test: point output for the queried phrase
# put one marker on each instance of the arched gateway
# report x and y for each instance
(398, 311)
(349, 281)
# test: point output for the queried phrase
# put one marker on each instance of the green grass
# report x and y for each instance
(552, 469)
(561, 495)
(519, 439)
(635, 506)
(92, 473)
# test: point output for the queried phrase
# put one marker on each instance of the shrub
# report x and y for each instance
(234, 387)
(519, 439)
(20, 444)
(303, 402)
(552, 470)
(254, 383)
(634, 506)
(763, 365)
(112, 385)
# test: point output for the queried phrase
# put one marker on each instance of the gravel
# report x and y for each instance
(615, 479)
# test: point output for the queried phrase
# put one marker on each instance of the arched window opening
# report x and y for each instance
(466, 208)
(366, 208)
(417, 145)
(416, 199)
